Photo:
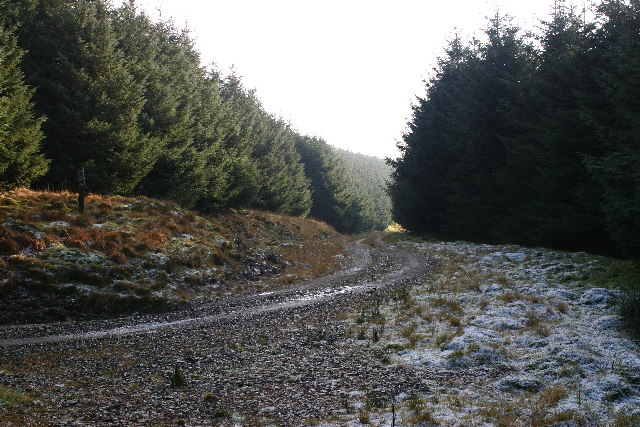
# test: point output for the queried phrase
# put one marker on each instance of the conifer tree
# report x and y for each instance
(555, 203)
(434, 142)
(164, 61)
(88, 94)
(236, 179)
(475, 198)
(617, 121)
(333, 197)
(369, 176)
(284, 186)
(20, 135)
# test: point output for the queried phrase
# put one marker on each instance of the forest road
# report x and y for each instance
(273, 357)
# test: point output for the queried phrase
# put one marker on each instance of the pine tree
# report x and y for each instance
(90, 97)
(552, 202)
(434, 142)
(164, 61)
(284, 186)
(235, 178)
(20, 135)
(476, 201)
(333, 196)
(369, 176)
(616, 116)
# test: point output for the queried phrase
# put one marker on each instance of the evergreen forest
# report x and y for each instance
(530, 139)
(86, 86)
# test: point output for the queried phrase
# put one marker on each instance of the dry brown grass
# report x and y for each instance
(447, 305)
(567, 417)
(423, 418)
(502, 414)
(313, 247)
(502, 279)
(536, 324)
(519, 296)
(454, 276)
(129, 230)
(550, 396)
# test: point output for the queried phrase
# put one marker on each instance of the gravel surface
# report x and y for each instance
(271, 358)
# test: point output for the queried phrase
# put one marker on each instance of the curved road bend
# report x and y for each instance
(371, 269)
(274, 358)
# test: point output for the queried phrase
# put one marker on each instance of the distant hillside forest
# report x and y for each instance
(88, 86)
(531, 139)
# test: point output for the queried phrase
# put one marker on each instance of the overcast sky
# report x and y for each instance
(344, 70)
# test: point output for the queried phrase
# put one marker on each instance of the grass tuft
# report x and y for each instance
(10, 397)
(177, 379)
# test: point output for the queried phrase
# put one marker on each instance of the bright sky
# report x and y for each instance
(343, 70)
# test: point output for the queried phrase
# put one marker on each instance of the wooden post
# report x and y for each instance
(82, 189)
(393, 412)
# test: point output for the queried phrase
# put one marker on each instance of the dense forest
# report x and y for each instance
(369, 176)
(530, 139)
(127, 100)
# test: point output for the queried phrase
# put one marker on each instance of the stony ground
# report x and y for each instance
(270, 358)
(423, 333)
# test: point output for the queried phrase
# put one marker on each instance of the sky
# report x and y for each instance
(347, 71)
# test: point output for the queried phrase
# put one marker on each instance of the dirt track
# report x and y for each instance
(267, 358)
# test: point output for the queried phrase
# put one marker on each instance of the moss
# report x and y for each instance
(194, 280)
(92, 276)
(107, 303)
(121, 272)
(10, 397)
(186, 260)
(133, 243)
(624, 275)
(83, 220)
(57, 206)
(131, 288)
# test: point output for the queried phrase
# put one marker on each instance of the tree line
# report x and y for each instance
(530, 139)
(86, 85)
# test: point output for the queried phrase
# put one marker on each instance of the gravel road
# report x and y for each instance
(269, 358)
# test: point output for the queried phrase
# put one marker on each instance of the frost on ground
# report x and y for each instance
(529, 339)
